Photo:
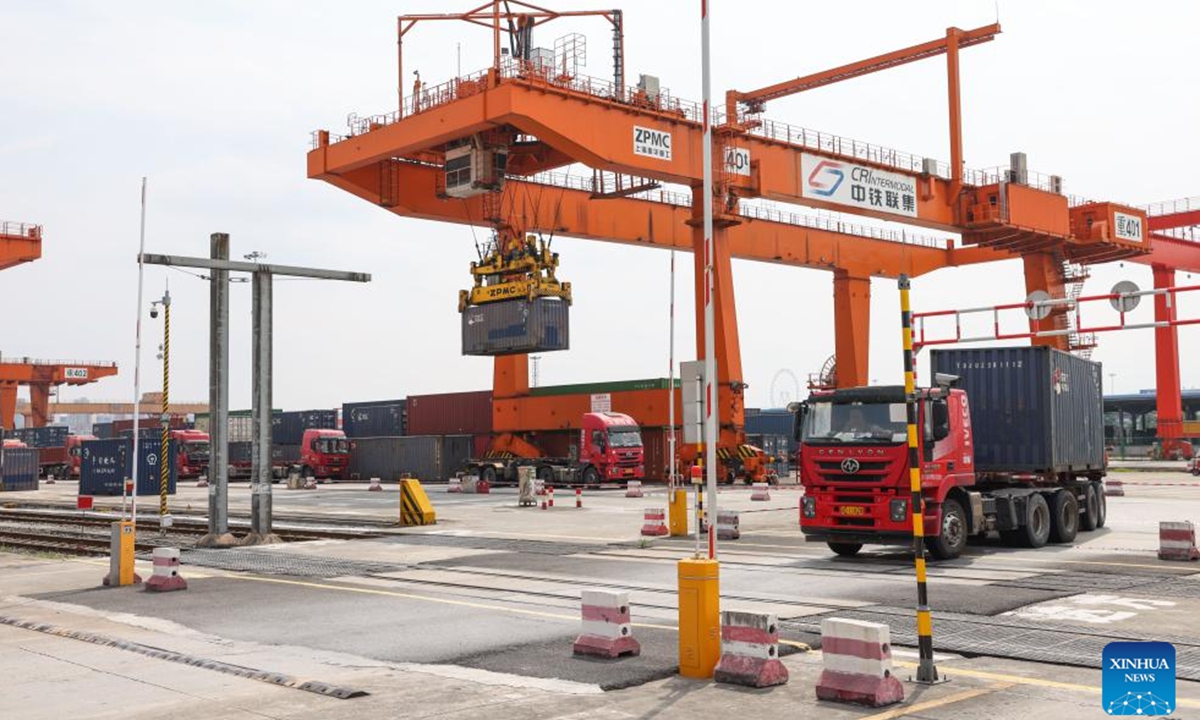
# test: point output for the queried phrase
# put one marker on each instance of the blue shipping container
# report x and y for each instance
(287, 428)
(43, 437)
(1033, 409)
(106, 463)
(380, 418)
(19, 470)
(103, 431)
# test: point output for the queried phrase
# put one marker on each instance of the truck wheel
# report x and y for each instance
(952, 536)
(1064, 520)
(1091, 509)
(488, 475)
(591, 477)
(844, 549)
(546, 474)
(1035, 531)
(306, 471)
(1102, 501)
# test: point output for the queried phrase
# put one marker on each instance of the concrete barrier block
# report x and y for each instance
(857, 660)
(166, 576)
(750, 650)
(607, 630)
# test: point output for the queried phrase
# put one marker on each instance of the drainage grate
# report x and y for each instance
(1010, 637)
(281, 563)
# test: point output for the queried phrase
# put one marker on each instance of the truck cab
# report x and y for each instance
(610, 448)
(75, 451)
(324, 453)
(192, 452)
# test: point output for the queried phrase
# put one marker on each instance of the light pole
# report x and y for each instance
(164, 454)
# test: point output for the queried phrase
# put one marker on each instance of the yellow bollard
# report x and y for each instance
(699, 617)
(121, 550)
(677, 509)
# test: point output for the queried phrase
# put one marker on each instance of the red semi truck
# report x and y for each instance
(1011, 441)
(610, 449)
(191, 452)
(321, 454)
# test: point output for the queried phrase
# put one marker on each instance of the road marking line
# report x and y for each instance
(940, 702)
(1019, 680)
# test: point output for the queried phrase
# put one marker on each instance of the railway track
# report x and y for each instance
(290, 530)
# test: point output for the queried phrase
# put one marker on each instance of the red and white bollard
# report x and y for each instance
(166, 571)
(1177, 541)
(455, 486)
(633, 489)
(539, 486)
(50, 479)
(202, 481)
(375, 486)
(550, 497)
(1114, 488)
(760, 492)
(654, 522)
(578, 498)
(606, 628)
(728, 525)
(750, 650)
(858, 664)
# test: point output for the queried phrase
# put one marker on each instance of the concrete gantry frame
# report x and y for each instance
(262, 473)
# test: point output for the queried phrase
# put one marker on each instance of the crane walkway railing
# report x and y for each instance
(20, 229)
(10, 360)
(750, 211)
(1171, 207)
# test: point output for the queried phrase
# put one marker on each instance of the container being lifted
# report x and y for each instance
(516, 305)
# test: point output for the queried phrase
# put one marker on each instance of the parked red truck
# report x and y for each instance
(1011, 441)
(320, 454)
(191, 452)
(610, 449)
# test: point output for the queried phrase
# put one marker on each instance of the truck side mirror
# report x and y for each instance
(941, 420)
(800, 410)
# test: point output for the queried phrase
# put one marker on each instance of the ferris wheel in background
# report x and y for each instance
(785, 388)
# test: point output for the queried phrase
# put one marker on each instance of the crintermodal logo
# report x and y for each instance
(826, 177)
(1139, 678)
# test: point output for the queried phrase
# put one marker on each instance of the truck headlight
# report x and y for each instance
(899, 508)
(808, 506)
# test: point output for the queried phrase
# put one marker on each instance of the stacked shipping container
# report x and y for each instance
(19, 471)
(377, 418)
(425, 457)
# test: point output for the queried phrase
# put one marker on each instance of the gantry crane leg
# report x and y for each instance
(852, 327)
(39, 403)
(1044, 272)
(8, 404)
(1169, 398)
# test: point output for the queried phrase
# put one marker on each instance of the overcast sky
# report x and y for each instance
(214, 102)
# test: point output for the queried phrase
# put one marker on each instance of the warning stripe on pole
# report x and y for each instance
(926, 671)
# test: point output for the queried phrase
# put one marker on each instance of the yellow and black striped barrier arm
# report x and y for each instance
(926, 670)
(164, 455)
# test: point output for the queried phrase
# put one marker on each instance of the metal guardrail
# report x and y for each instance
(20, 229)
(8, 359)
(1170, 207)
(752, 211)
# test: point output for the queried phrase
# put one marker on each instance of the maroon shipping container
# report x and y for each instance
(177, 422)
(656, 441)
(479, 445)
(464, 413)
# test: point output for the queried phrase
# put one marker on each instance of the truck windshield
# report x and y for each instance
(624, 437)
(333, 445)
(196, 447)
(828, 422)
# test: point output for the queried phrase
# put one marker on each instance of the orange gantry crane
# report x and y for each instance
(535, 109)
(41, 376)
(19, 243)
